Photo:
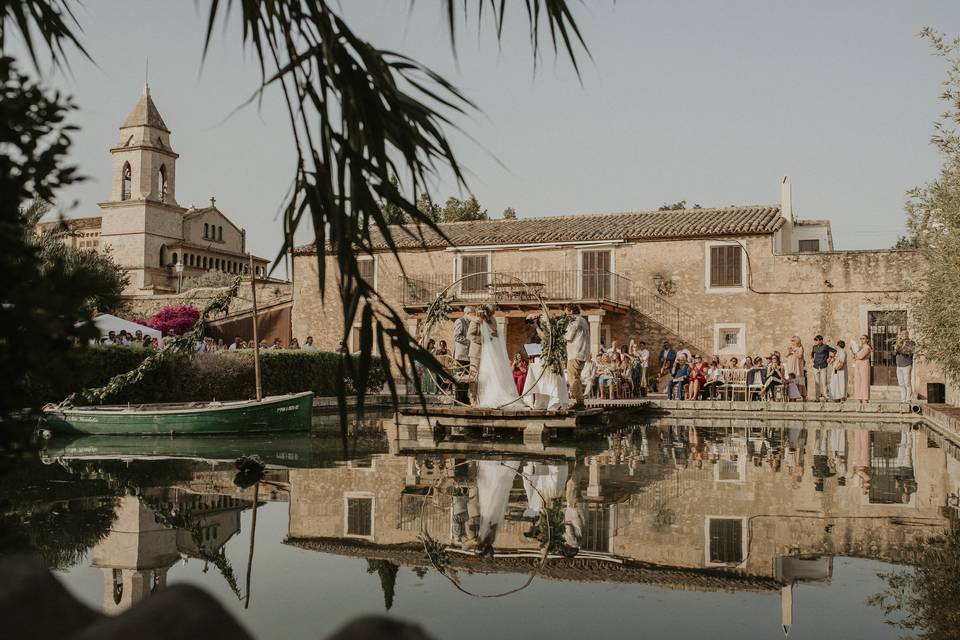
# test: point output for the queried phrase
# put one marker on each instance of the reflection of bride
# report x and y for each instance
(496, 388)
(494, 481)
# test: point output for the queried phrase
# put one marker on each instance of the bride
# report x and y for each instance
(496, 388)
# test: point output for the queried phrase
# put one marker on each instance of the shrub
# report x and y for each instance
(178, 318)
(222, 375)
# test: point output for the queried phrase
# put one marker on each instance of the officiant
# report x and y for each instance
(543, 388)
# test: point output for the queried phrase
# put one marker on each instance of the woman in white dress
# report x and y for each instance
(838, 381)
(496, 388)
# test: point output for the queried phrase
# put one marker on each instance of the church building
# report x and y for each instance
(141, 224)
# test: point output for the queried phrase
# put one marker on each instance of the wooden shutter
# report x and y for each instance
(595, 276)
(367, 270)
(469, 265)
(726, 266)
(726, 541)
(809, 246)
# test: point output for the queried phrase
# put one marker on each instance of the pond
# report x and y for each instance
(673, 527)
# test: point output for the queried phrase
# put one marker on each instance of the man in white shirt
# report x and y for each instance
(578, 352)
(644, 355)
(308, 344)
(683, 351)
(235, 344)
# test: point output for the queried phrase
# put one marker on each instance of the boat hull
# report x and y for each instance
(274, 414)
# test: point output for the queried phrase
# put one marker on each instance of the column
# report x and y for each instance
(594, 320)
(412, 324)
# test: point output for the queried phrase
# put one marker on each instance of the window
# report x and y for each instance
(117, 586)
(163, 183)
(595, 267)
(809, 246)
(126, 176)
(368, 270)
(206, 230)
(359, 516)
(174, 257)
(883, 328)
(725, 540)
(204, 262)
(474, 271)
(730, 339)
(220, 234)
(726, 266)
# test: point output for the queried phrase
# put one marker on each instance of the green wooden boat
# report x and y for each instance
(291, 412)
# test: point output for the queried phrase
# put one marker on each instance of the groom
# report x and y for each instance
(475, 345)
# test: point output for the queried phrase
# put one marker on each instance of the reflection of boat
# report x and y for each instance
(288, 450)
(274, 413)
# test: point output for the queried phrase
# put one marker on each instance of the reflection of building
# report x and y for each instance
(142, 546)
(757, 508)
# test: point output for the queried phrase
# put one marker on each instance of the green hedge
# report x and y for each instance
(222, 375)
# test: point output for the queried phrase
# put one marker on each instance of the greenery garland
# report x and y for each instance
(184, 343)
(438, 312)
(554, 336)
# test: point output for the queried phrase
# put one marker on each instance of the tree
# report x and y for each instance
(427, 207)
(212, 279)
(177, 318)
(456, 210)
(388, 579)
(678, 206)
(509, 213)
(391, 212)
(923, 598)
(933, 228)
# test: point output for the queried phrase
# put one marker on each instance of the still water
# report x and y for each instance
(668, 529)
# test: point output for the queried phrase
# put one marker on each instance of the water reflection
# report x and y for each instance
(683, 504)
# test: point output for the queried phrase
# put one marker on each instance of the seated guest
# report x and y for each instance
(588, 377)
(604, 377)
(519, 371)
(681, 375)
(293, 344)
(698, 376)
(714, 379)
(756, 376)
(442, 349)
(775, 376)
(732, 363)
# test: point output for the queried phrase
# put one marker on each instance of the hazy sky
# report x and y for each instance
(706, 101)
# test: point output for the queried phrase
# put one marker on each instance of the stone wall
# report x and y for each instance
(268, 293)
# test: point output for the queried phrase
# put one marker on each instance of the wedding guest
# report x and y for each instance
(775, 377)
(795, 363)
(308, 344)
(519, 371)
(442, 349)
(431, 345)
(793, 388)
(643, 366)
(276, 344)
(682, 350)
(861, 366)
(604, 375)
(903, 353)
(714, 379)
(698, 377)
(820, 354)
(293, 344)
(678, 381)
(667, 359)
(838, 382)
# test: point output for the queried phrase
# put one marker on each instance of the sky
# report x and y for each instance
(707, 101)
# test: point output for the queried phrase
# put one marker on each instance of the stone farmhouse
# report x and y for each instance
(730, 281)
(142, 226)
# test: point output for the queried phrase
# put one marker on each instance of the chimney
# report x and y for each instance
(786, 199)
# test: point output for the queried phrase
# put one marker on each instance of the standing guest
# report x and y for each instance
(903, 352)
(678, 381)
(820, 354)
(861, 365)
(519, 371)
(308, 344)
(220, 345)
(668, 358)
(793, 389)
(293, 344)
(442, 349)
(643, 358)
(244, 345)
(795, 363)
(838, 382)
(578, 352)
(683, 351)
(432, 345)
(138, 336)
(236, 344)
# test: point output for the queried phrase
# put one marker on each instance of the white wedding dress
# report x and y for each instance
(496, 388)
(494, 482)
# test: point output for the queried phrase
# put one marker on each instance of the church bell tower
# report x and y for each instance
(142, 213)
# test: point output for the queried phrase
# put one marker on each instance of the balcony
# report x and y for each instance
(519, 289)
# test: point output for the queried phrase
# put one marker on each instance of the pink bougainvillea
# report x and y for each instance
(178, 318)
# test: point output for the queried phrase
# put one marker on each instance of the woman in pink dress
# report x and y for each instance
(796, 365)
(861, 367)
(519, 371)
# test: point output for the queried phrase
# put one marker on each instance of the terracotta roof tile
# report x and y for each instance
(687, 223)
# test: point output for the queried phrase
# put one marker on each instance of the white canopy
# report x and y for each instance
(105, 323)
